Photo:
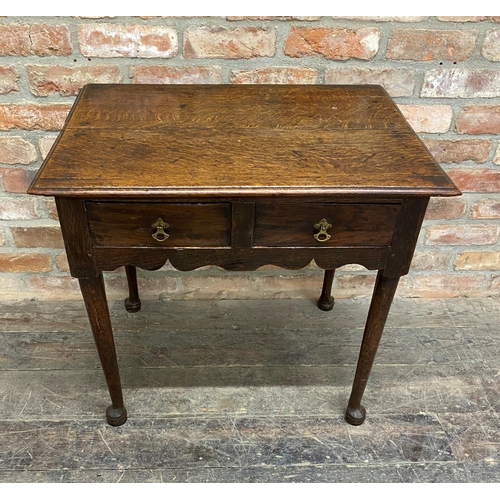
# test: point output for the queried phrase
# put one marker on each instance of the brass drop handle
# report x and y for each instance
(322, 235)
(160, 234)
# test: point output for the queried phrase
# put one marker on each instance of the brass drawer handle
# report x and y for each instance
(160, 234)
(322, 235)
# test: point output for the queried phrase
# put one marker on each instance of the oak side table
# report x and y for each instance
(238, 176)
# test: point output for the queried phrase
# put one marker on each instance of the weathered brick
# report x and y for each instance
(397, 82)
(486, 209)
(275, 75)
(215, 287)
(283, 287)
(459, 150)
(45, 143)
(496, 159)
(115, 40)
(333, 43)
(244, 42)
(272, 18)
(462, 19)
(53, 286)
(33, 116)
(478, 261)
(427, 45)
(37, 39)
(9, 77)
(62, 263)
(398, 19)
(46, 80)
(423, 118)
(479, 180)
(17, 209)
(11, 262)
(448, 285)
(37, 237)
(51, 208)
(9, 284)
(150, 287)
(462, 235)
(494, 283)
(461, 82)
(357, 281)
(176, 75)
(491, 46)
(14, 180)
(430, 261)
(15, 150)
(2, 238)
(479, 120)
(445, 208)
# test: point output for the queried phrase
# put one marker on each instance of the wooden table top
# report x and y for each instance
(242, 140)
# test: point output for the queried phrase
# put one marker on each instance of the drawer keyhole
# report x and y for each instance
(322, 235)
(160, 234)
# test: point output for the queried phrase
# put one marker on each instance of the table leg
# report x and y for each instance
(326, 301)
(94, 296)
(132, 302)
(383, 294)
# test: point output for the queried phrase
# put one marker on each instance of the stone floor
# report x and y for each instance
(251, 391)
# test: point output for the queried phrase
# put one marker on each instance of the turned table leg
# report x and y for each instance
(94, 296)
(326, 301)
(377, 315)
(132, 302)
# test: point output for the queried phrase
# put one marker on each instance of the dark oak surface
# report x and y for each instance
(245, 140)
(238, 177)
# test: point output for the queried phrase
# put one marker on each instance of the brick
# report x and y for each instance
(479, 120)
(45, 143)
(115, 40)
(215, 287)
(494, 283)
(175, 75)
(397, 82)
(397, 19)
(273, 18)
(62, 263)
(37, 237)
(445, 208)
(15, 150)
(275, 75)
(53, 285)
(430, 261)
(448, 285)
(432, 119)
(163, 287)
(33, 116)
(459, 150)
(479, 180)
(333, 43)
(491, 46)
(50, 204)
(21, 262)
(477, 261)
(486, 209)
(357, 281)
(17, 209)
(239, 43)
(8, 284)
(458, 82)
(462, 235)
(285, 286)
(38, 39)
(47, 80)
(428, 45)
(462, 19)
(2, 239)
(14, 180)
(496, 159)
(9, 77)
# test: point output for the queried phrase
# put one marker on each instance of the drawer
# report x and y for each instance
(175, 224)
(334, 224)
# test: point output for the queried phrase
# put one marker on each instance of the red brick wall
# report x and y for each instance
(443, 72)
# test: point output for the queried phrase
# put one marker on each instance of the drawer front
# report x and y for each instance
(333, 224)
(160, 224)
